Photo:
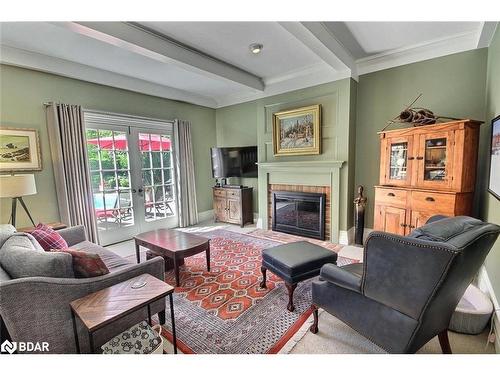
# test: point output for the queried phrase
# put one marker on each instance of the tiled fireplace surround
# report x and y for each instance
(314, 177)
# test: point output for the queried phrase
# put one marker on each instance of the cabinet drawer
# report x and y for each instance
(433, 202)
(220, 193)
(233, 193)
(393, 197)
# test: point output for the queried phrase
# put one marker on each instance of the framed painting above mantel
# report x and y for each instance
(494, 175)
(19, 150)
(297, 131)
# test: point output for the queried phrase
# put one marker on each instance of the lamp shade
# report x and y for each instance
(18, 185)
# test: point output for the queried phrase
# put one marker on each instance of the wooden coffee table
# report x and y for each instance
(105, 306)
(173, 244)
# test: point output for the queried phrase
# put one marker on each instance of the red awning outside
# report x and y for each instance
(145, 142)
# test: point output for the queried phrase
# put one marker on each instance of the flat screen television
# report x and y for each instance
(234, 161)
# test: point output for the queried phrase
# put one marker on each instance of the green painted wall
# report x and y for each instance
(490, 206)
(251, 123)
(237, 126)
(22, 93)
(453, 85)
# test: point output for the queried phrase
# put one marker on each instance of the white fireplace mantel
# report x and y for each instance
(325, 173)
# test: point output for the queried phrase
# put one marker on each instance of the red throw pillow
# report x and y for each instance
(48, 238)
(85, 264)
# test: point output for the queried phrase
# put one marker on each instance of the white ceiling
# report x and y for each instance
(364, 39)
(209, 63)
(230, 41)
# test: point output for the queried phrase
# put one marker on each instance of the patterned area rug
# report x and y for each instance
(225, 310)
(287, 238)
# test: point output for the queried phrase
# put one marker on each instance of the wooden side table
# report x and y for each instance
(105, 306)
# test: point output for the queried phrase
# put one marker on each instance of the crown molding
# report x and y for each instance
(486, 33)
(418, 52)
(310, 76)
(36, 61)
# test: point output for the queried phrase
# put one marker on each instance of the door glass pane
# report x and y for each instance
(107, 159)
(110, 178)
(146, 162)
(156, 159)
(398, 161)
(157, 176)
(123, 179)
(167, 176)
(121, 158)
(435, 159)
(146, 177)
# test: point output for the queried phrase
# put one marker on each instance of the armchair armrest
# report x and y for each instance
(73, 235)
(434, 218)
(341, 277)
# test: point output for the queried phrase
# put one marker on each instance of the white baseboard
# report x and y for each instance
(346, 237)
(343, 237)
(260, 223)
(484, 283)
(205, 215)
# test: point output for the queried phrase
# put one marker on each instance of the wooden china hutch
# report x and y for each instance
(425, 171)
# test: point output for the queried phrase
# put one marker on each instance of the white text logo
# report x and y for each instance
(11, 347)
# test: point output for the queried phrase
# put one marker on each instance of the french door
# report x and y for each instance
(132, 178)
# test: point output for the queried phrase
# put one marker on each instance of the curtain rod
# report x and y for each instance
(46, 104)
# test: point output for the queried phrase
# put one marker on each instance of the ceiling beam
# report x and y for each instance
(140, 40)
(49, 64)
(486, 33)
(321, 41)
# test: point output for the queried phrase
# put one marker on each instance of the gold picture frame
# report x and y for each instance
(297, 131)
(19, 150)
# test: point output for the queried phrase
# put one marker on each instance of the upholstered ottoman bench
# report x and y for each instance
(295, 262)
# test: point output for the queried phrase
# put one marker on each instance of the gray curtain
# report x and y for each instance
(184, 172)
(66, 131)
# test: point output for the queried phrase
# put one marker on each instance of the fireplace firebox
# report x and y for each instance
(302, 214)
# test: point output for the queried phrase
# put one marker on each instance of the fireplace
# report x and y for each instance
(299, 213)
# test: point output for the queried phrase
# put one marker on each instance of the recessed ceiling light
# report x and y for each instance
(256, 48)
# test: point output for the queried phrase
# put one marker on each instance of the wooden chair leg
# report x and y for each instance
(444, 342)
(314, 326)
(291, 289)
(263, 282)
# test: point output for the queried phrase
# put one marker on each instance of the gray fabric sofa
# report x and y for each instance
(405, 291)
(37, 308)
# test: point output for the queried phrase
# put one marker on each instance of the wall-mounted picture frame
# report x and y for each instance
(494, 175)
(297, 131)
(19, 150)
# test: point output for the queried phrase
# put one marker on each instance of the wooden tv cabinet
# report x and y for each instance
(233, 205)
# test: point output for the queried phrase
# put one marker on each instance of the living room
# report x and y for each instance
(256, 187)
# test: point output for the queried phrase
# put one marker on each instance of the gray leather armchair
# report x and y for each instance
(405, 291)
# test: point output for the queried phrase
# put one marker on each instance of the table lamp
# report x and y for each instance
(16, 187)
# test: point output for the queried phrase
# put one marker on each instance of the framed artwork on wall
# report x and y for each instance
(19, 150)
(494, 176)
(297, 131)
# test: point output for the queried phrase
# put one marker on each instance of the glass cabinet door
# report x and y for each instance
(435, 159)
(398, 164)
(398, 161)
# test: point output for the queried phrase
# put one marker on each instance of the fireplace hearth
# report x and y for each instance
(299, 213)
